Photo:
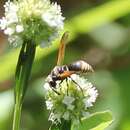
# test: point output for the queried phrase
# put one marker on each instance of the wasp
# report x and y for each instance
(61, 72)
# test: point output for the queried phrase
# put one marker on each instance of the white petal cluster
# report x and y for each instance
(10, 18)
(73, 101)
(90, 92)
(68, 100)
(49, 105)
(36, 20)
(53, 16)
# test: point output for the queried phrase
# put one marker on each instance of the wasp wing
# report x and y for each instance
(62, 48)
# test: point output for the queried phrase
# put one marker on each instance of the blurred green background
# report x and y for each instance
(100, 34)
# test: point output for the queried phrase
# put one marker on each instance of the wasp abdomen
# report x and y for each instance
(80, 66)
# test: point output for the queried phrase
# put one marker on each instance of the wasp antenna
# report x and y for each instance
(61, 53)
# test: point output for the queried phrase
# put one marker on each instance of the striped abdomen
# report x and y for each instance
(81, 66)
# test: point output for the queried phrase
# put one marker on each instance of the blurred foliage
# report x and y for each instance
(99, 33)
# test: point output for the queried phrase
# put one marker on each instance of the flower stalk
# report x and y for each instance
(23, 71)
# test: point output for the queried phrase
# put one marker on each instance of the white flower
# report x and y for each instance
(49, 105)
(54, 118)
(19, 28)
(53, 17)
(15, 40)
(91, 98)
(3, 23)
(38, 20)
(11, 18)
(87, 103)
(68, 100)
(9, 31)
(73, 101)
(70, 107)
(46, 88)
(85, 114)
(66, 115)
(11, 12)
(10, 7)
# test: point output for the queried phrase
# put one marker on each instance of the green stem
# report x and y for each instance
(17, 115)
(23, 71)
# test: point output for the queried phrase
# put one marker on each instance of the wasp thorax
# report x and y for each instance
(56, 71)
(59, 70)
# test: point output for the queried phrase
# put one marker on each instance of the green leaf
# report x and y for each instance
(97, 121)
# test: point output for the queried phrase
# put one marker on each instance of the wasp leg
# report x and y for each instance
(77, 84)
(67, 86)
(55, 91)
(60, 84)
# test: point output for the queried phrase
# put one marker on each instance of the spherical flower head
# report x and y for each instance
(71, 100)
(36, 20)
